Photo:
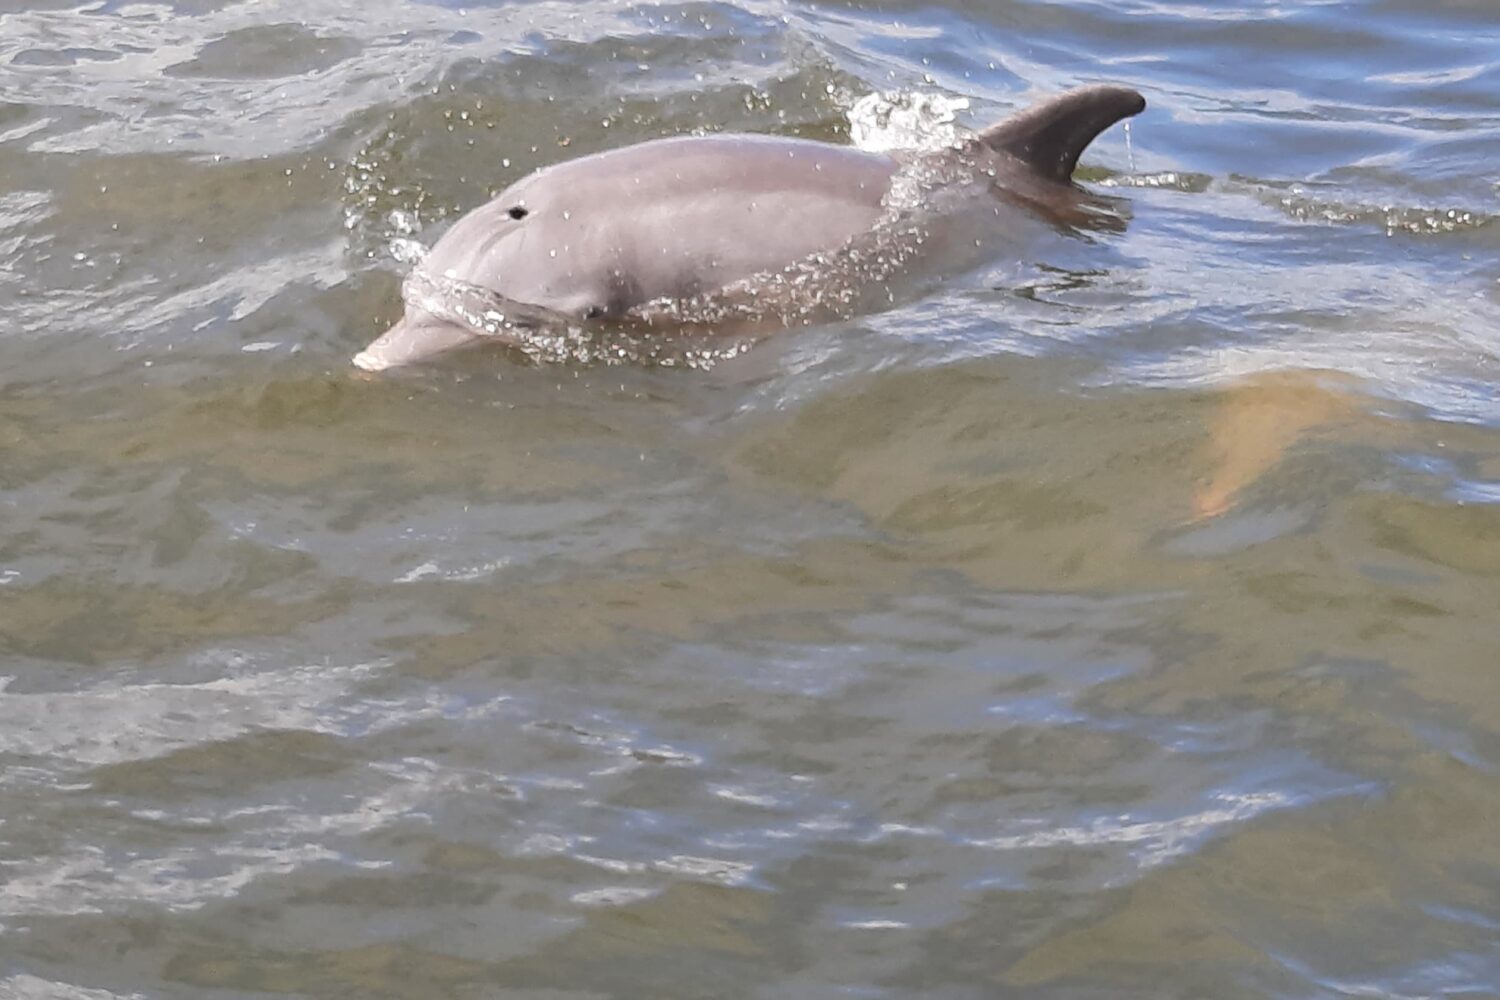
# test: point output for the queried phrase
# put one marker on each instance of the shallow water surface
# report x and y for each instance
(1116, 619)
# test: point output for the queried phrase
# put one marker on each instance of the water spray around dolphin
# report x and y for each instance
(731, 231)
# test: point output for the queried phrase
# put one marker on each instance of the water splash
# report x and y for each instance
(546, 336)
(1413, 220)
(915, 120)
(403, 246)
(1302, 204)
(1172, 179)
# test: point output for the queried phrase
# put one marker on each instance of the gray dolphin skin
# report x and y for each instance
(607, 236)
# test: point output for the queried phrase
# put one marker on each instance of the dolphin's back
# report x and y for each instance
(664, 219)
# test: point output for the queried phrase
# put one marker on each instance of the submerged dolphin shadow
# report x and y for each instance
(734, 233)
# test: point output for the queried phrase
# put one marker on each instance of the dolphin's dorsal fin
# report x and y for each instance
(1052, 135)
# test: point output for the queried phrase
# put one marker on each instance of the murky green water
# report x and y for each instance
(1117, 621)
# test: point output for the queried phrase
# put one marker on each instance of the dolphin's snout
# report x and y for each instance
(407, 342)
(369, 361)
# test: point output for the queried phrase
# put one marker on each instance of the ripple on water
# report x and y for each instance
(267, 51)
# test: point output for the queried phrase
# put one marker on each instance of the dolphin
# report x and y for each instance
(624, 234)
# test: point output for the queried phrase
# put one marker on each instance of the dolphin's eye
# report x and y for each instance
(519, 212)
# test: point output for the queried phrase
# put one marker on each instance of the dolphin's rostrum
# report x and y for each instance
(619, 234)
